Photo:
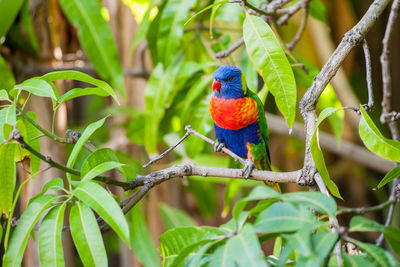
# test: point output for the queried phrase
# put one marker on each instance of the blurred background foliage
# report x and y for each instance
(161, 64)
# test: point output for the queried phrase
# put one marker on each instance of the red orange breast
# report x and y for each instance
(233, 114)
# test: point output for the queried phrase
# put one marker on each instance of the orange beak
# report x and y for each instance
(216, 85)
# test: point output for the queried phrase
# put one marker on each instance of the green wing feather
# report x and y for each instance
(262, 122)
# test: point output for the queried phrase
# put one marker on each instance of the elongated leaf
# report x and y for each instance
(4, 95)
(392, 235)
(268, 57)
(245, 248)
(323, 243)
(35, 86)
(7, 80)
(143, 27)
(54, 184)
(96, 197)
(301, 242)
(99, 169)
(362, 224)
(355, 260)
(103, 89)
(173, 218)
(318, 10)
(315, 200)
(7, 115)
(7, 177)
(27, 25)
(87, 236)
(390, 176)
(319, 157)
(96, 39)
(50, 243)
(170, 32)
(82, 140)
(222, 257)
(8, 13)
(374, 253)
(281, 217)
(375, 141)
(19, 238)
(159, 89)
(141, 240)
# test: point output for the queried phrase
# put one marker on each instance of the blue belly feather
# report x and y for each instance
(236, 140)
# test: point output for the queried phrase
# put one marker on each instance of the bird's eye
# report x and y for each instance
(228, 79)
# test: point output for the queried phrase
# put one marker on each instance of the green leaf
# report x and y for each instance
(390, 176)
(87, 236)
(301, 242)
(50, 243)
(319, 157)
(258, 193)
(245, 248)
(7, 115)
(205, 194)
(375, 141)
(323, 243)
(27, 25)
(281, 217)
(99, 169)
(19, 238)
(96, 39)
(374, 253)
(159, 95)
(174, 218)
(35, 86)
(82, 140)
(31, 139)
(268, 57)
(250, 73)
(96, 197)
(143, 27)
(7, 80)
(141, 240)
(170, 30)
(7, 177)
(231, 190)
(4, 95)
(355, 260)
(362, 224)
(315, 200)
(318, 10)
(392, 236)
(102, 88)
(53, 184)
(222, 257)
(8, 13)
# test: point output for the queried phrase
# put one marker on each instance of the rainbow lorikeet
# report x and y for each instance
(239, 119)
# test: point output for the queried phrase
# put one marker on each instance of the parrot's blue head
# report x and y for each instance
(228, 82)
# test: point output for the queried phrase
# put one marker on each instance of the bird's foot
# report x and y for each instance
(218, 146)
(248, 168)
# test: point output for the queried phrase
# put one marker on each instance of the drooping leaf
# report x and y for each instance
(8, 13)
(319, 157)
(390, 176)
(362, 224)
(34, 86)
(7, 80)
(375, 141)
(7, 177)
(50, 243)
(19, 238)
(174, 218)
(7, 116)
(96, 39)
(315, 200)
(141, 240)
(102, 88)
(96, 197)
(87, 236)
(170, 30)
(268, 57)
(31, 139)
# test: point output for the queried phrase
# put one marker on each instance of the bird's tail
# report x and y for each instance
(274, 186)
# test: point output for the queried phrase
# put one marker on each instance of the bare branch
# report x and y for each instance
(363, 210)
(368, 70)
(387, 98)
(230, 50)
(301, 29)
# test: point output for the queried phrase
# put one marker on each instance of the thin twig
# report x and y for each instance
(363, 210)
(386, 101)
(230, 50)
(368, 70)
(301, 29)
(290, 11)
(166, 151)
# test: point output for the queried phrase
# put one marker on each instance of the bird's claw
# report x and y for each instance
(248, 168)
(218, 146)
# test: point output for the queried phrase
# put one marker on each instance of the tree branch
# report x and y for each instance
(387, 98)
(368, 70)
(363, 210)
